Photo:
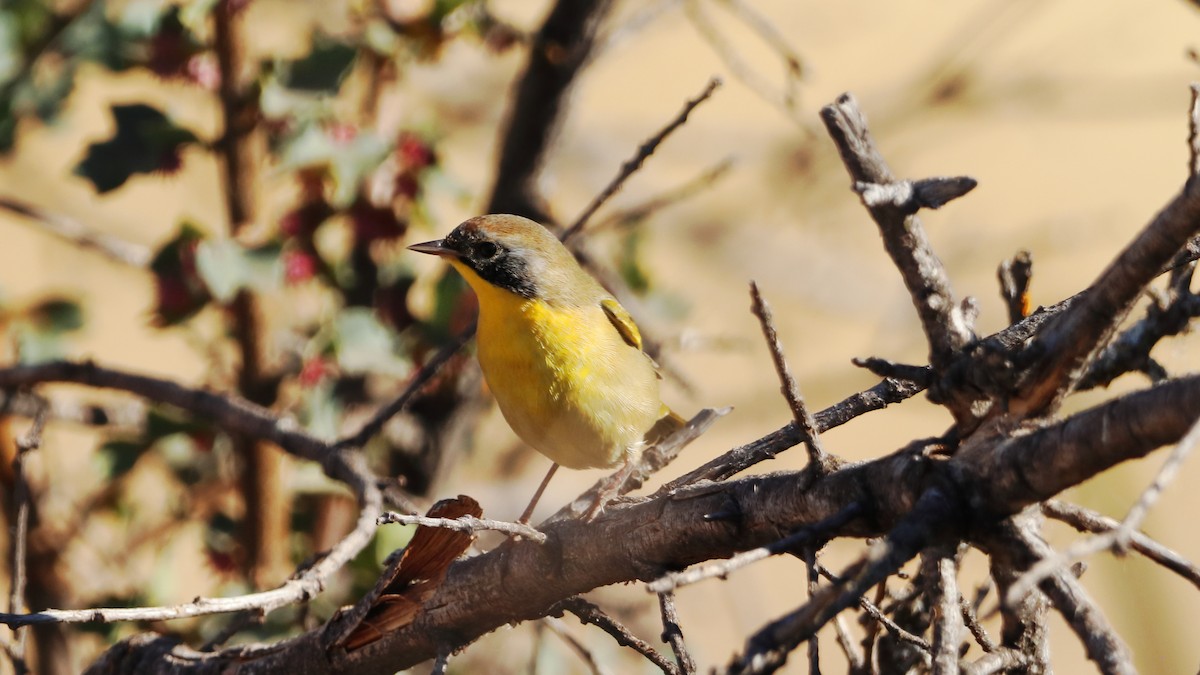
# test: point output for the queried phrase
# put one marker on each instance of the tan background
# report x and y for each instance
(1072, 116)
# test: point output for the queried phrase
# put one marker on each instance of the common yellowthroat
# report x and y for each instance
(562, 357)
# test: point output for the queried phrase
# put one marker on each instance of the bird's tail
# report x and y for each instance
(667, 424)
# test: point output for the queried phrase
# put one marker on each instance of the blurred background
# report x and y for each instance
(379, 125)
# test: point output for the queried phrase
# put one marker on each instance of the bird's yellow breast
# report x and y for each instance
(566, 381)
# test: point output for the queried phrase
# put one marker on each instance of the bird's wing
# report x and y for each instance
(621, 320)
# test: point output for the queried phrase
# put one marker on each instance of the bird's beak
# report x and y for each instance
(435, 247)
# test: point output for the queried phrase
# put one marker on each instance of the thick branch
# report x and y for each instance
(1069, 341)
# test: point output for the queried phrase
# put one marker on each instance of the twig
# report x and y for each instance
(854, 656)
(642, 210)
(559, 51)
(1000, 660)
(1071, 340)
(787, 384)
(908, 196)
(743, 457)
(1101, 642)
(986, 643)
(1014, 274)
(559, 628)
(634, 163)
(947, 614)
(806, 536)
(440, 664)
(814, 582)
(1117, 539)
(652, 460)
(673, 634)
(76, 232)
(587, 613)
(426, 373)
(464, 524)
(739, 67)
(235, 415)
(904, 239)
(19, 536)
(770, 646)
(873, 611)
(919, 375)
(1086, 520)
(1194, 131)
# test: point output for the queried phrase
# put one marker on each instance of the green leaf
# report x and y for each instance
(227, 267)
(40, 330)
(349, 162)
(322, 71)
(57, 315)
(180, 292)
(364, 345)
(116, 458)
(145, 141)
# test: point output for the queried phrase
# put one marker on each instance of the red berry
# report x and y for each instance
(298, 266)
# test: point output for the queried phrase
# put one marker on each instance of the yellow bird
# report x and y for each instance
(562, 357)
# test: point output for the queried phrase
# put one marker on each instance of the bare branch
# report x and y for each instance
(1070, 340)
(559, 628)
(1118, 538)
(561, 49)
(587, 613)
(903, 237)
(77, 233)
(19, 537)
(769, 647)
(418, 380)
(673, 633)
(985, 641)
(1086, 520)
(634, 163)
(1049, 460)
(908, 197)
(464, 524)
(1103, 646)
(997, 661)
(1014, 274)
(741, 458)
(947, 615)
(1194, 132)
(787, 383)
(238, 416)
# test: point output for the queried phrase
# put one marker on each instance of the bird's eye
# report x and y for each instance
(485, 250)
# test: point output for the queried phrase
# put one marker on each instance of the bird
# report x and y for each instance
(563, 359)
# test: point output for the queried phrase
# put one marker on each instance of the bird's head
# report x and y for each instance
(512, 253)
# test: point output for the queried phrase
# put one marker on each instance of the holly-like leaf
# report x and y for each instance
(322, 71)
(364, 345)
(116, 458)
(145, 141)
(228, 267)
(180, 290)
(346, 155)
(57, 315)
(41, 330)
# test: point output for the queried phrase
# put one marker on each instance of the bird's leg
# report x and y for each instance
(524, 519)
(610, 489)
